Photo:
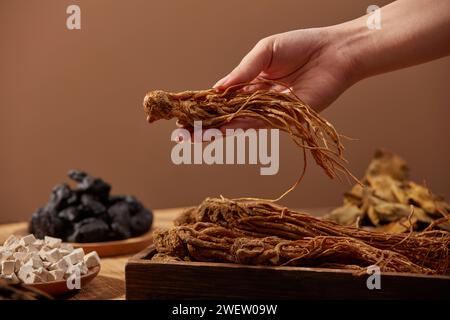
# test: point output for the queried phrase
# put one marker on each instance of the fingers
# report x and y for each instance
(256, 61)
(257, 84)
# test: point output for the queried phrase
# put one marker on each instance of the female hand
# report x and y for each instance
(321, 63)
(312, 62)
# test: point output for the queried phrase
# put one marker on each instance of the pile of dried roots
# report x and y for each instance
(263, 233)
(284, 111)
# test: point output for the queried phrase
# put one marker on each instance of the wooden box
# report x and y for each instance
(204, 280)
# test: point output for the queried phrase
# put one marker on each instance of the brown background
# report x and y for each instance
(72, 99)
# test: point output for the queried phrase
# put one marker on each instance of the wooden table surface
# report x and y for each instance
(110, 283)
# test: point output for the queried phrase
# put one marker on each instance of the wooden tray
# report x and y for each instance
(107, 248)
(205, 280)
(58, 288)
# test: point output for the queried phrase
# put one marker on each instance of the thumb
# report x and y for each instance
(256, 61)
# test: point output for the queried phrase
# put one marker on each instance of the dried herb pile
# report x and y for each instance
(263, 233)
(390, 202)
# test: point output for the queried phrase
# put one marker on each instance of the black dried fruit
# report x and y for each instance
(77, 175)
(73, 199)
(121, 231)
(58, 199)
(92, 205)
(134, 205)
(88, 184)
(89, 230)
(70, 214)
(48, 223)
(119, 212)
(114, 199)
(120, 220)
(140, 223)
(88, 213)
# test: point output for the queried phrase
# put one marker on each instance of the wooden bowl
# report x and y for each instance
(58, 288)
(118, 247)
(106, 248)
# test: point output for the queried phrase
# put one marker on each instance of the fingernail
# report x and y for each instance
(221, 82)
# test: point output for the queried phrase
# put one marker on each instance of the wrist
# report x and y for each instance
(354, 42)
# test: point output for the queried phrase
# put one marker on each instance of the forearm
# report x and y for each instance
(412, 32)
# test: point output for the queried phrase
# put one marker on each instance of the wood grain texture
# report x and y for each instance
(202, 280)
(110, 283)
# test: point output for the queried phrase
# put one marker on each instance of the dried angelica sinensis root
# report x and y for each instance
(284, 111)
(223, 220)
(217, 244)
